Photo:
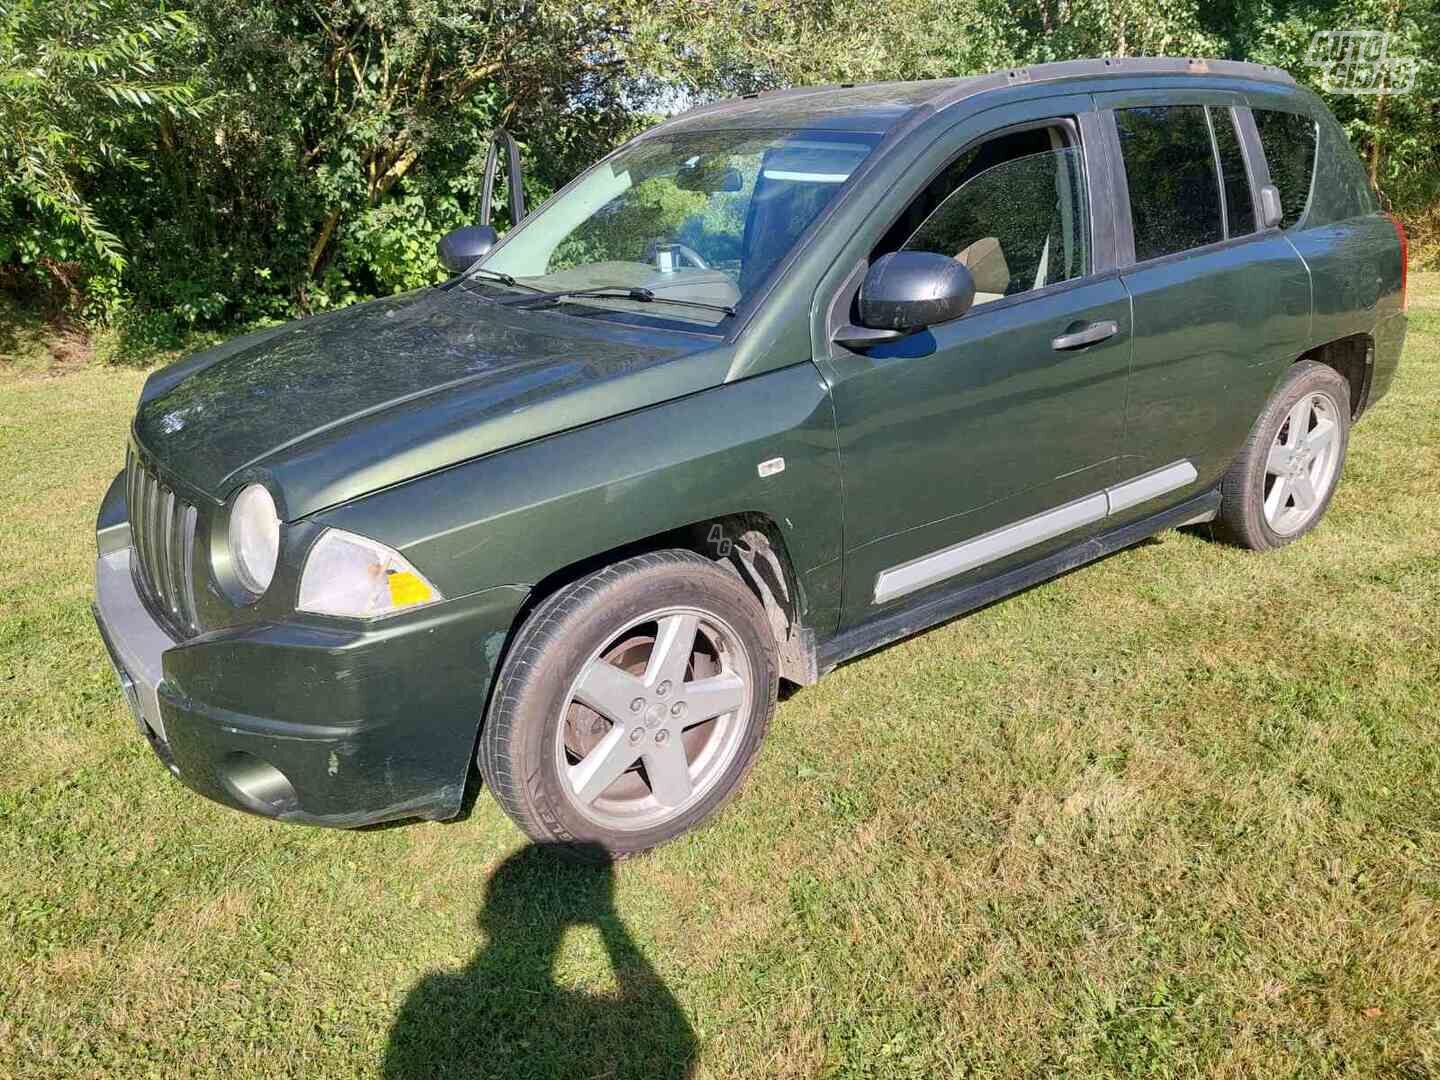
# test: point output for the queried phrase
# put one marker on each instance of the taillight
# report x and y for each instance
(1404, 260)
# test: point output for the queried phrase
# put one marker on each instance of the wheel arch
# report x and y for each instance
(748, 544)
(1353, 357)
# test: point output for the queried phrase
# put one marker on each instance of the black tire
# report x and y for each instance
(518, 745)
(1241, 519)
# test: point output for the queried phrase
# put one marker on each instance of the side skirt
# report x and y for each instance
(888, 627)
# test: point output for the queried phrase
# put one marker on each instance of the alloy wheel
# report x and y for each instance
(653, 719)
(1302, 464)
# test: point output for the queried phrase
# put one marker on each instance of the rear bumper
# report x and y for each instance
(312, 722)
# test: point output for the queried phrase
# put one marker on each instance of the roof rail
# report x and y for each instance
(1116, 66)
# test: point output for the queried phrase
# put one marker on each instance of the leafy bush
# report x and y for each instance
(309, 156)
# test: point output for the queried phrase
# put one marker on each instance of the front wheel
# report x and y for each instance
(632, 704)
(1281, 484)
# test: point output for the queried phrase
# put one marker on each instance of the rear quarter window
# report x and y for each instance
(1289, 140)
(1342, 186)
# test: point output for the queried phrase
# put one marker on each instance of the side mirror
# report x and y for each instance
(461, 247)
(907, 291)
(1270, 213)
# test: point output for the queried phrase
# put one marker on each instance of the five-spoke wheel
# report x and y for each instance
(1283, 480)
(632, 704)
(1302, 463)
(654, 718)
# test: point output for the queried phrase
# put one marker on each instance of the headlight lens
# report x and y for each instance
(254, 538)
(350, 575)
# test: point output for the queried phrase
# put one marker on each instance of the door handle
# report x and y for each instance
(1088, 334)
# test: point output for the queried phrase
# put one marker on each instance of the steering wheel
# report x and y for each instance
(682, 251)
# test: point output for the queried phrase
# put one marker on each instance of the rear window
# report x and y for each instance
(1170, 169)
(1289, 142)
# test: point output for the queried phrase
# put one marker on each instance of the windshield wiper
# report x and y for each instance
(506, 280)
(619, 292)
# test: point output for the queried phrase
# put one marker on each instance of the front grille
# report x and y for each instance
(162, 529)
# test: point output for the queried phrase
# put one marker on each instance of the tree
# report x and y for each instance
(76, 80)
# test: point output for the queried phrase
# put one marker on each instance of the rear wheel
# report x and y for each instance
(632, 705)
(1281, 484)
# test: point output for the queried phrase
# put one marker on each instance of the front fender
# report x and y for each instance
(519, 515)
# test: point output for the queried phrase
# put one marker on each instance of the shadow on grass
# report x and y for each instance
(504, 1015)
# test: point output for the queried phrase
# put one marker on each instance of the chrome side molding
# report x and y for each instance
(935, 567)
(996, 544)
(1150, 485)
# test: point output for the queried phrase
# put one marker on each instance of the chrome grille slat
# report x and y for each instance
(132, 498)
(140, 519)
(152, 520)
(165, 579)
(177, 544)
(162, 529)
(187, 560)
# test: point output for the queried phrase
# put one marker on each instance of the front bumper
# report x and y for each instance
(313, 721)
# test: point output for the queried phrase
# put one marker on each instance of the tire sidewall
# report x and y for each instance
(535, 711)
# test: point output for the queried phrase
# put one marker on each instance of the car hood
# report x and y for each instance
(341, 404)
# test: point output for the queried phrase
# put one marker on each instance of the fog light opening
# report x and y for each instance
(257, 785)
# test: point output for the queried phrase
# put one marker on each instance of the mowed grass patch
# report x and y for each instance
(1174, 813)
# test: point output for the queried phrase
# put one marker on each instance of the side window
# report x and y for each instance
(1170, 171)
(1289, 142)
(1342, 185)
(1239, 210)
(1013, 209)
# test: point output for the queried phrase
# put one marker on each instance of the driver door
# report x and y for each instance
(976, 429)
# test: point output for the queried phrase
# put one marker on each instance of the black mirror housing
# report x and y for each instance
(907, 291)
(461, 247)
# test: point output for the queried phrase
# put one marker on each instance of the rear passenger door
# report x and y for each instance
(1220, 306)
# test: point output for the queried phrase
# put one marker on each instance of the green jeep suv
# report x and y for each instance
(779, 381)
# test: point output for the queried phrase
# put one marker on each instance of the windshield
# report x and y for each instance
(702, 217)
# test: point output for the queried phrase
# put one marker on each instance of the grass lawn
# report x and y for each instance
(1175, 813)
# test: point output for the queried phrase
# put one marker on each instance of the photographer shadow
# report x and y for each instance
(503, 1015)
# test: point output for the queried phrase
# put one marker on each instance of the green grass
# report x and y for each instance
(1176, 813)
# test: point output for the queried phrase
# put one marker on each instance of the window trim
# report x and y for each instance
(1256, 168)
(1231, 113)
(1219, 173)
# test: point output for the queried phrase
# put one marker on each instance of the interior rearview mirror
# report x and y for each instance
(461, 247)
(907, 291)
(709, 178)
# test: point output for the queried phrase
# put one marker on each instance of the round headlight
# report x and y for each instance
(254, 538)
